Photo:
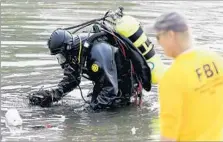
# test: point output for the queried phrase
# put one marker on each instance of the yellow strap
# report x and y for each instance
(80, 48)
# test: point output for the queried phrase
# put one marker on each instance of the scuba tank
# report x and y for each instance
(130, 28)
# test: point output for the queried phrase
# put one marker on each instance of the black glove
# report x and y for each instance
(43, 98)
(89, 109)
(92, 108)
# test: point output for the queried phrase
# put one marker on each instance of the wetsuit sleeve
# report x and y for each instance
(106, 86)
(45, 97)
(71, 80)
(171, 103)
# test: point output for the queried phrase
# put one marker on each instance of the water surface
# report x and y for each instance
(26, 65)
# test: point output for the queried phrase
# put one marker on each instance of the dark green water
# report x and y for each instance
(26, 65)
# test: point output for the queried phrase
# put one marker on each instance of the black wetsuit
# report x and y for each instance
(111, 72)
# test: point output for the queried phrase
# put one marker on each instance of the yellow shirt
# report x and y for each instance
(191, 97)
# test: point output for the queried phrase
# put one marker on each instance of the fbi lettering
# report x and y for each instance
(207, 70)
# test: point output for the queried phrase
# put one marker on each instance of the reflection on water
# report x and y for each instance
(26, 65)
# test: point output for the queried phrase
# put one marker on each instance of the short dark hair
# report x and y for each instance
(171, 21)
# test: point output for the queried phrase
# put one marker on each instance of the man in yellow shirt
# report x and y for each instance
(191, 90)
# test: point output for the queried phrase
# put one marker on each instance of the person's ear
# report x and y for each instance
(171, 35)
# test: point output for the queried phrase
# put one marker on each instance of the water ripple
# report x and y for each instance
(26, 64)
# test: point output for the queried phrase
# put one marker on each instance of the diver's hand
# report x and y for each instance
(89, 109)
(43, 98)
(92, 108)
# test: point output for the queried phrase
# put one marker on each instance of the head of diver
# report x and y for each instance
(64, 46)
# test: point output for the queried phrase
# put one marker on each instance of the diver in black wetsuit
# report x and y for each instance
(104, 63)
(117, 68)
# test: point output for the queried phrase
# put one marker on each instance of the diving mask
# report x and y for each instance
(60, 58)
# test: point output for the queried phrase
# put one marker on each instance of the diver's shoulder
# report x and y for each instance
(101, 46)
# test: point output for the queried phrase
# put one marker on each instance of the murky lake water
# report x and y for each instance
(26, 65)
